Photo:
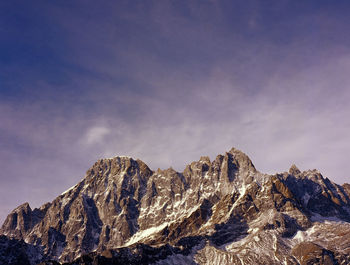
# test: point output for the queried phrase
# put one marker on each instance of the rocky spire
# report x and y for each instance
(242, 160)
(294, 170)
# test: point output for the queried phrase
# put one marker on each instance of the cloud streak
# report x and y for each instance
(95, 135)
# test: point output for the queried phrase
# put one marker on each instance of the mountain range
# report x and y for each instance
(214, 212)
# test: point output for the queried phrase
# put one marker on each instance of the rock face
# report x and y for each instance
(215, 212)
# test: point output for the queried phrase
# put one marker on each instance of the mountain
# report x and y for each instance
(214, 212)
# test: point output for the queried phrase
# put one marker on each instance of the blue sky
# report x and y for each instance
(168, 82)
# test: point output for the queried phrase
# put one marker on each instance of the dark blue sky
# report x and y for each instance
(167, 82)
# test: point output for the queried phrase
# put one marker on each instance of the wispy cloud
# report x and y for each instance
(95, 135)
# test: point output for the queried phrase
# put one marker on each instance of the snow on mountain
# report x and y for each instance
(214, 212)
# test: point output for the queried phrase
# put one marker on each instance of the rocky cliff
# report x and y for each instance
(214, 212)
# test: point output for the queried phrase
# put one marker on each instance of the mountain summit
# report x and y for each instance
(214, 212)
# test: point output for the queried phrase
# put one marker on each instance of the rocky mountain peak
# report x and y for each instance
(205, 159)
(294, 170)
(239, 161)
(19, 219)
(22, 219)
(242, 160)
(118, 164)
(214, 212)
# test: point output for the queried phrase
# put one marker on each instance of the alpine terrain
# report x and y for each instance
(214, 212)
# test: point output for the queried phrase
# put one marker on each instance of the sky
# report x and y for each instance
(168, 82)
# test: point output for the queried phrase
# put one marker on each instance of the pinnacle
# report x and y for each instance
(294, 170)
(205, 159)
(235, 151)
(23, 206)
(243, 159)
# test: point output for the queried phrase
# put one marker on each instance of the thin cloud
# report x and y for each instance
(95, 135)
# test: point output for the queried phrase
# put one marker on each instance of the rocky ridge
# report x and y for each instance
(214, 212)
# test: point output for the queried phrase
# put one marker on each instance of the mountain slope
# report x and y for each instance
(215, 212)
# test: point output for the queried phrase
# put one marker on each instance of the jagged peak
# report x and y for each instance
(242, 159)
(121, 159)
(122, 202)
(123, 162)
(169, 170)
(205, 159)
(234, 150)
(294, 170)
(235, 157)
(22, 212)
(24, 206)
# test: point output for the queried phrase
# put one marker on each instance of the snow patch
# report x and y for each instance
(144, 234)
(299, 236)
(68, 190)
(242, 191)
